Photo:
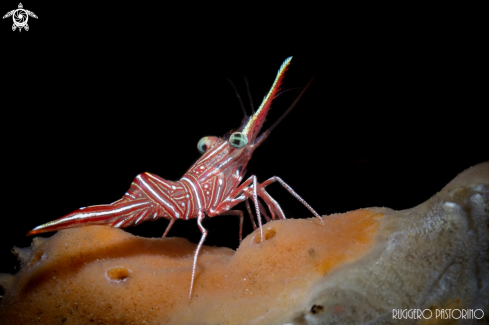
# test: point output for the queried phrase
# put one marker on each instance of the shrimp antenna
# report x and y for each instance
(239, 97)
(286, 90)
(249, 95)
(291, 106)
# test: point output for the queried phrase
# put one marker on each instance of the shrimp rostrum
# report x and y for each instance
(212, 186)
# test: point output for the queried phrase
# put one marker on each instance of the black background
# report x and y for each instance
(93, 95)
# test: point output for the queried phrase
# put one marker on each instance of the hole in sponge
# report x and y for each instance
(316, 309)
(37, 256)
(268, 233)
(118, 274)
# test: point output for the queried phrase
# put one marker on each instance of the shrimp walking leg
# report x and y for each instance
(172, 221)
(196, 254)
(291, 191)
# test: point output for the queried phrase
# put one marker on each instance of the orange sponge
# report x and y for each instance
(363, 266)
(105, 275)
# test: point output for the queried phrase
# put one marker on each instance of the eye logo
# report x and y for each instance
(20, 17)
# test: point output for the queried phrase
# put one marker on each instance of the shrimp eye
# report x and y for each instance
(238, 140)
(205, 143)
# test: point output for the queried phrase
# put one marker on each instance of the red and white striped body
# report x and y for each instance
(203, 189)
(210, 187)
